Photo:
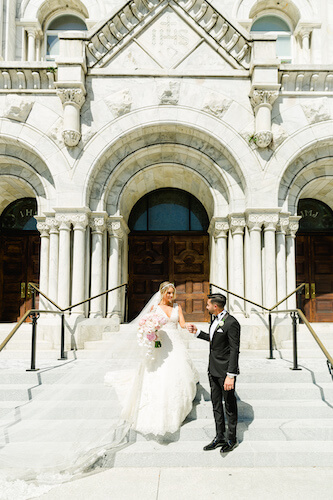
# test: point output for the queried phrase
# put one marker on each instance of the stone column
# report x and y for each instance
(291, 259)
(281, 276)
(262, 101)
(254, 223)
(116, 235)
(53, 258)
(64, 259)
(44, 230)
(31, 44)
(270, 224)
(220, 233)
(80, 222)
(237, 224)
(72, 100)
(97, 224)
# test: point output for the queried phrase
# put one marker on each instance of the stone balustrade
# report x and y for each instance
(297, 79)
(27, 77)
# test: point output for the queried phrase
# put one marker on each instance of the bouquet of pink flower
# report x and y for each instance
(149, 325)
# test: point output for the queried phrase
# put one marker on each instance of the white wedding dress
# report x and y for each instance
(162, 392)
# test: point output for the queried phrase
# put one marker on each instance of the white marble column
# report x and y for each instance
(53, 258)
(97, 224)
(220, 233)
(44, 230)
(116, 235)
(31, 44)
(281, 277)
(64, 259)
(255, 222)
(80, 222)
(237, 224)
(270, 262)
(262, 101)
(72, 100)
(291, 259)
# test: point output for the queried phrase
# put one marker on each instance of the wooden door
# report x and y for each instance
(181, 259)
(19, 264)
(314, 265)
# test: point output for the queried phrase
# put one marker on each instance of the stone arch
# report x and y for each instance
(44, 9)
(296, 10)
(197, 133)
(306, 156)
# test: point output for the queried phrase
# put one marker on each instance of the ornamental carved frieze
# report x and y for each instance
(237, 224)
(53, 224)
(271, 221)
(64, 222)
(220, 228)
(259, 97)
(255, 221)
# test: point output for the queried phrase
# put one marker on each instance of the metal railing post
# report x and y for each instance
(299, 301)
(294, 317)
(34, 317)
(270, 336)
(62, 342)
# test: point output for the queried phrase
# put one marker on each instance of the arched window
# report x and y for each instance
(19, 215)
(66, 22)
(276, 25)
(168, 209)
(316, 216)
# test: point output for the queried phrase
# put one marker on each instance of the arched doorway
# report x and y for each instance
(19, 257)
(169, 241)
(314, 259)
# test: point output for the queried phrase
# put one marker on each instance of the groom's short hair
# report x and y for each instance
(218, 299)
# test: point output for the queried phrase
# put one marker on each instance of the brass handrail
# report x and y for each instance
(22, 320)
(32, 285)
(268, 309)
(61, 311)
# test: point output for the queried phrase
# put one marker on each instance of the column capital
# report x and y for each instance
(283, 223)
(255, 220)
(293, 225)
(97, 222)
(117, 227)
(64, 221)
(219, 227)
(74, 95)
(53, 224)
(271, 222)
(237, 223)
(79, 221)
(266, 97)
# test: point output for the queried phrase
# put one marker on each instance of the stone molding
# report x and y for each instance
(256, 220)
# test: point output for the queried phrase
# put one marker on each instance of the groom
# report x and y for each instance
(224, 339)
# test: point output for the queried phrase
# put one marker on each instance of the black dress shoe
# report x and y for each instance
(229, 446)
(216, 443)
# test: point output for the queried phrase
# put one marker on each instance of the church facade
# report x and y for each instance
(154, 140)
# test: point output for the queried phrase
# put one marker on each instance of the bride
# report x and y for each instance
(163, 390)
(73, 418)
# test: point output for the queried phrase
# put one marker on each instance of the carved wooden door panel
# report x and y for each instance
(19, 264)
(182, 259)
(148, 267)
(189, 270)
(314, 265)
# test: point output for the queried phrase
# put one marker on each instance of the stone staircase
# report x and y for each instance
(285, 416)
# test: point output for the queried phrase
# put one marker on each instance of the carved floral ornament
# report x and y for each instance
(263, 97)
(71, 137)
(97, 224)
(43, 228)
(74, 96)
(79, 221)
(263, 138)
(237, 224)
(220, 229)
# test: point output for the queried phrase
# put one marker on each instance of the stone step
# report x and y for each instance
(247, 454)
(304, 354)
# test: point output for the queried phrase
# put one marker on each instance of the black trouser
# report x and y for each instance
(218, 394)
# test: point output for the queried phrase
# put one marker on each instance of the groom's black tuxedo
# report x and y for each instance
(223, 360)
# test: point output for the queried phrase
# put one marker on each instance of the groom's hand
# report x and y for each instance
(229, 383)
(191, 328)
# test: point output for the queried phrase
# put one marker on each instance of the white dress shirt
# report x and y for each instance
(212, 329)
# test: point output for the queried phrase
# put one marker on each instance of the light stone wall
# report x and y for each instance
(89, 137)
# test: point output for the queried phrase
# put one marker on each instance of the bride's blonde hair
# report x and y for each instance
(164, 287)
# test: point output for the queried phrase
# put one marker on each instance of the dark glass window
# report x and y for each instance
(20, 215)
(316, 216)
(168, 210)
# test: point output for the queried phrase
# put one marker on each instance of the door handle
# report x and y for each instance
(313, 290)
(23, 290)
(307, 290)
